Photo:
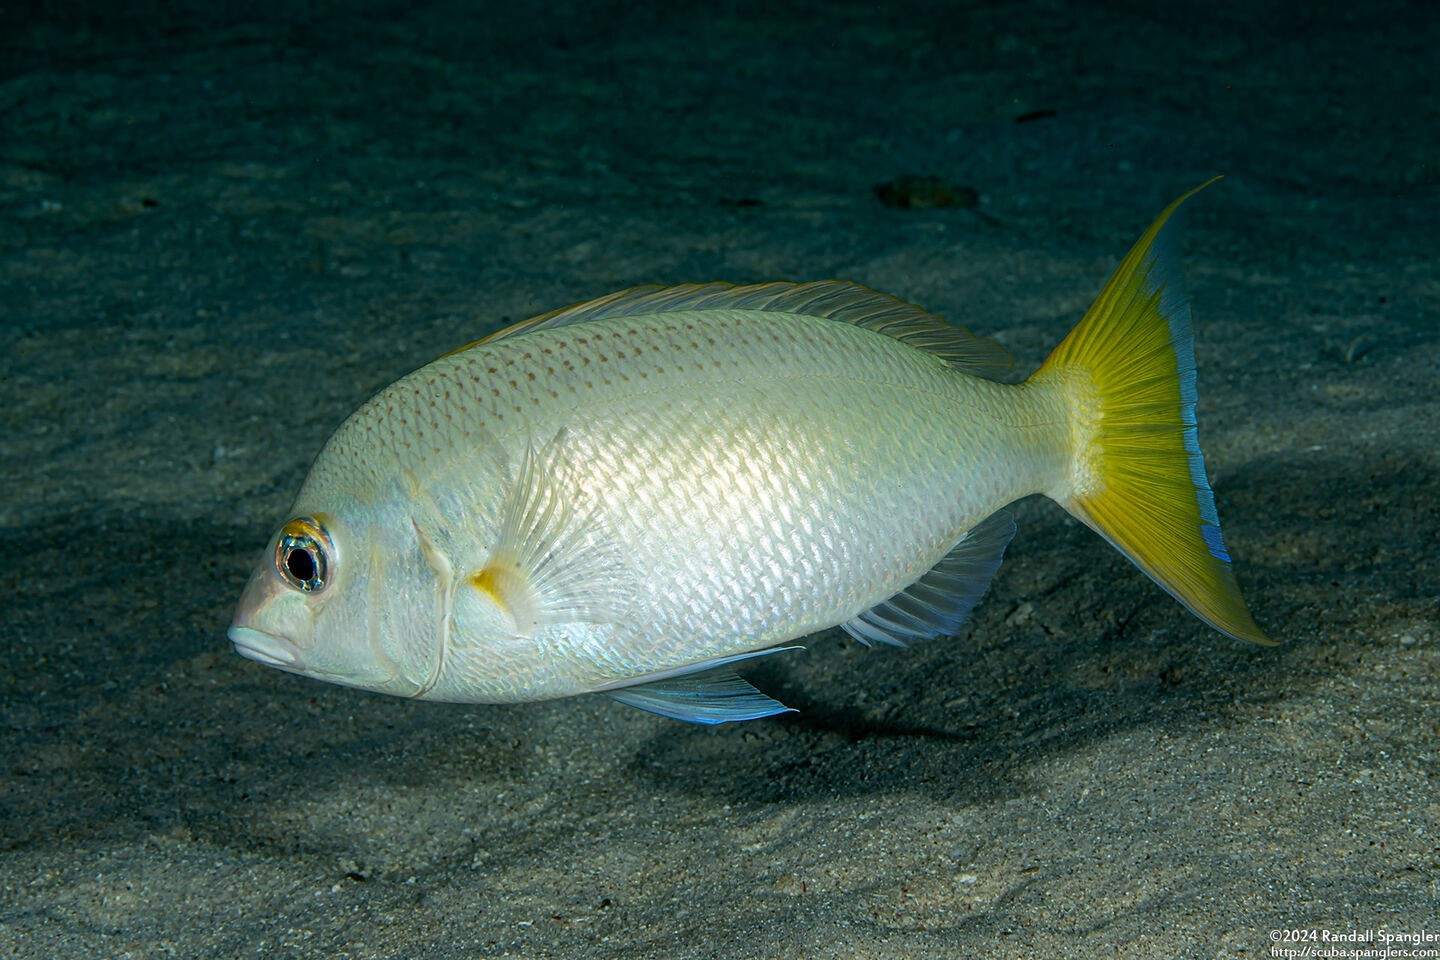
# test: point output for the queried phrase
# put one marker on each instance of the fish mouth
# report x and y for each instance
(265, 648)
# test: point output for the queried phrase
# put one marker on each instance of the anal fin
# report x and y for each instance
(938, 603)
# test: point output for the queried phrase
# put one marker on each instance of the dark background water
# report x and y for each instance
(221, 229)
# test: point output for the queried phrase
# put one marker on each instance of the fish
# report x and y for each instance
(632, 495)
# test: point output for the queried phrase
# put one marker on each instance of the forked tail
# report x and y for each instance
(1137, 475)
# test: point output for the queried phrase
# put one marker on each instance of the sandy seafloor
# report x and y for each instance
(221, 230)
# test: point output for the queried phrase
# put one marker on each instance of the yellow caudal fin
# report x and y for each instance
(1137, 476)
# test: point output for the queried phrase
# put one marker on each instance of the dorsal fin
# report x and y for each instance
(829, 299)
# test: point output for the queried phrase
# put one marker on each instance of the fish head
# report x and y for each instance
(314, 606)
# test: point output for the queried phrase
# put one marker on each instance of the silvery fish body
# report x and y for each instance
(630, 495)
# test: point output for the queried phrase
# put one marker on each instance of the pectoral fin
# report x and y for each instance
(551, 563)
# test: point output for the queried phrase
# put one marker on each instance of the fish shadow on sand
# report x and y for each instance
(970, 740)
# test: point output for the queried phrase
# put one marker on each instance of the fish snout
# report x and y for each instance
(266, 648)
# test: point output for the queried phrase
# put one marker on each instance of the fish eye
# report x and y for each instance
(303, 555)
